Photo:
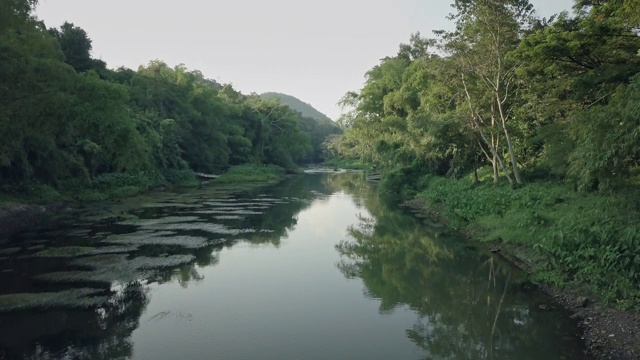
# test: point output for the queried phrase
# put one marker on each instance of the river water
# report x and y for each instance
(316, 267)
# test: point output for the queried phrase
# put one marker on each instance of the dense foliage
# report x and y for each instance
(550, 106)
(66, 120)
(318, 125)
(551, 98)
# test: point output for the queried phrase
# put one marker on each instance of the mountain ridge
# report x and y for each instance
(296, 104)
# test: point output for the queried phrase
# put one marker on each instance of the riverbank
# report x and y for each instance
(573, 244)
(31, 206)
(254, 173)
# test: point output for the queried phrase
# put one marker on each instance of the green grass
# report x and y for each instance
(251, 173)
(567, 237)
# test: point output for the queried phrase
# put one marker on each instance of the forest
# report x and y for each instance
(68, 122)
(518, 130)
(522, 131)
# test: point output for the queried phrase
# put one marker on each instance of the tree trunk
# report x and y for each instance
(514, 160)
(495, 169)
(496, 174)
(494, 142)
(476, 180)
(512, 153)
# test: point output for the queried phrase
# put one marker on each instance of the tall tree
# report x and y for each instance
(487, 31)
(76, 46)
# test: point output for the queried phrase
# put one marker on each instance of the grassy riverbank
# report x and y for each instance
(113, 186)
(252, 173)
(563, 237)
(107, 186)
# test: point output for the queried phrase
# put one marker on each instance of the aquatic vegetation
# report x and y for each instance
(207, 227)
(109, 275)
(75, 251)
(227, 209)
(162, 220)
(10, 251)
(228, 217)
(229, 204)
(74, 298)
(169, 204)
(231, 212)
(138, 235)
(141, 262)
(190, 242)
(116, 268)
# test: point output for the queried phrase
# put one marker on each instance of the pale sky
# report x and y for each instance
(313, 50)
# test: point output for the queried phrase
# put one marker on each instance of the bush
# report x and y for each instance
(181, 178)
(404, 181)
(42, 193)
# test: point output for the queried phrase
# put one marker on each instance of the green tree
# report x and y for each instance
(486, 33)
(76, 46)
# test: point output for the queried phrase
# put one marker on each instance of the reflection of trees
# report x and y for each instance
(106, 333)
(459, 296)
(103, 333)
(296, 194)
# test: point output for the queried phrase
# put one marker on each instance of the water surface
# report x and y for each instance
(317, 267)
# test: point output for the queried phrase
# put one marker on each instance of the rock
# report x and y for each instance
(582, 301)
(527, 286)
(495, 249)
(545, 307)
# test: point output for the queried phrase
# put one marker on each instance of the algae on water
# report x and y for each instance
(10, 251)
(115, 268)
(206, 227)
(74, 298)
(76, 251)
(162, 220)
(189, 242)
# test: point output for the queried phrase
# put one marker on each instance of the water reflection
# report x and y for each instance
(125, 246)
(459, 296)
(109, 258)
(103, 333)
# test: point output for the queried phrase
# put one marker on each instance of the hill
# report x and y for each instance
(297, 105)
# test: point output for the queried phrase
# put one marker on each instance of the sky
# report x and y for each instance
(313, 50)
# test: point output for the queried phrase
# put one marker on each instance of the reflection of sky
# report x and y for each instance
(252, 300)
(321, 220)
(289, 302)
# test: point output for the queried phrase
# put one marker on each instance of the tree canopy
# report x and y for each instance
(65, 118)
(527, 97)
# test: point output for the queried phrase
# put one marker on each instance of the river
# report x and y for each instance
(316, 267)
